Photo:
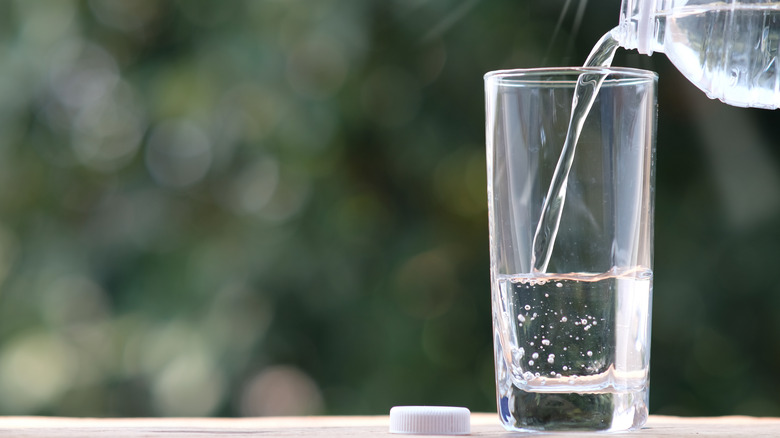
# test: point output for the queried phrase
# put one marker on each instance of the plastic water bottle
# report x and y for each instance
(727, 48)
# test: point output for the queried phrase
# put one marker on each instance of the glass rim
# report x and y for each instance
(566, 75)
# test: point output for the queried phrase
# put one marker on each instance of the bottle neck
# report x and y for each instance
(637, 28)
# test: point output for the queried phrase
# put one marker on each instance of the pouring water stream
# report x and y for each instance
(588, 86)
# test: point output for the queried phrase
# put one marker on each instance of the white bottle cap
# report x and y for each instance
(430, 420)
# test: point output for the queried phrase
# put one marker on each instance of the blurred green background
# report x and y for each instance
(222, 208)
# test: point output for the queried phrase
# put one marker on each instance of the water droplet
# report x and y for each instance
(589, 353)
(527, 307)
(531, 363)
(564, 319)
(551, 358)
(535, 355)
(545, 342)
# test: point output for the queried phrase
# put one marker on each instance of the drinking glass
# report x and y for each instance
(572, 335)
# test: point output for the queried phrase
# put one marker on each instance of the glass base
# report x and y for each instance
(572, 411)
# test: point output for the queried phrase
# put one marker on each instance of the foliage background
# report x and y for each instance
(278, 207)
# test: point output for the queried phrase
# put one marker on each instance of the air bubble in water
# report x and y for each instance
(558, 285)
(530, 362)
(521, 318)
(589, 353)
(542, 381)
(565, 368)
(527, 307)
(528, 375)
(545, 342)
(551, 358)
(535, 355)
(564, 319)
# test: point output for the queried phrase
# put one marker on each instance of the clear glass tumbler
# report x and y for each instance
(572, 339)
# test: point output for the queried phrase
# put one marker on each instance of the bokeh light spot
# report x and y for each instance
(45, 22)
(35, 369)
(279, 391)
(74, 299)
(190, 385)
(108, 133)
(254, 187)
(178, 154)
(317, 68)
(82, 73)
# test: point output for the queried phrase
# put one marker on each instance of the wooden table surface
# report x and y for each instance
(482, 425)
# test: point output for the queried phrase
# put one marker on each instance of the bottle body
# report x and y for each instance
(729, 49)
